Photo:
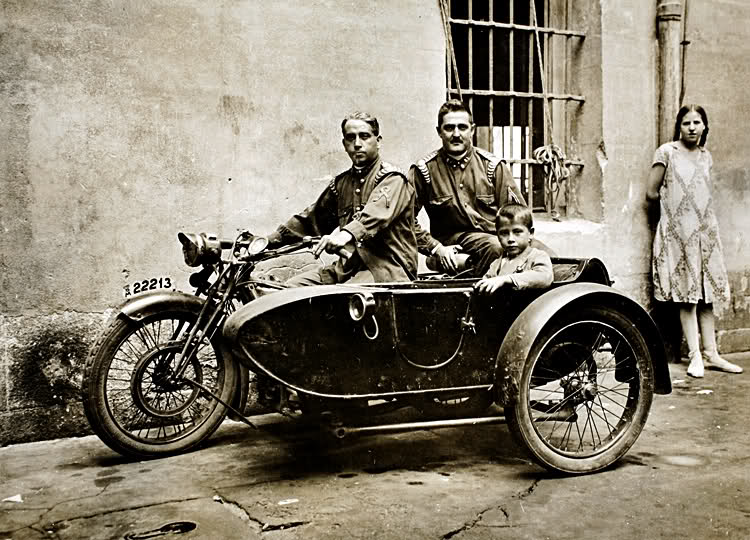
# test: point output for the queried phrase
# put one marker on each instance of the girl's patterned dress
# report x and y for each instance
(688, 261)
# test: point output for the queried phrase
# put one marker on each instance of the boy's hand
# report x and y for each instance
(491, 285)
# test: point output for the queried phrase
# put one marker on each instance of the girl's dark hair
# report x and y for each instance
(681, 114)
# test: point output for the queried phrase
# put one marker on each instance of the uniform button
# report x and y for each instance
(461, 186)
(362, 181)
(357, 190)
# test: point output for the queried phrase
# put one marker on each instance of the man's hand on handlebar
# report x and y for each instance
(335, 243)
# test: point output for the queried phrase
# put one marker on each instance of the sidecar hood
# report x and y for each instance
(265, 304)
(312, 339)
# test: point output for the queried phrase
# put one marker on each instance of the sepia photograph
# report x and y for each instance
(338, 269)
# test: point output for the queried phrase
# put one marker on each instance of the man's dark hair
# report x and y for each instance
(453, 105)
(681, 114)
(515, 212)
(365, 117)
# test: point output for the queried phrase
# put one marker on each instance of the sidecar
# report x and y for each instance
(572, 369)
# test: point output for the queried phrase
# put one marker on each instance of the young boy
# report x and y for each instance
(520, 266)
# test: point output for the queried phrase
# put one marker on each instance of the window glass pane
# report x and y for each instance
(521, 11)
(460, 34)
(459, 9)
(500, 56)
(481, 58)
(521, 61)
(480, 10)
(501, 11)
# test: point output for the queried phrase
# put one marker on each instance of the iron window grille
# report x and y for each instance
(495, 49)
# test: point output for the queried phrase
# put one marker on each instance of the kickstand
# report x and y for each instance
(241, 416)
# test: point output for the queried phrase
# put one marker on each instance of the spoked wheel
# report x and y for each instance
(585, 392)
(132, 398)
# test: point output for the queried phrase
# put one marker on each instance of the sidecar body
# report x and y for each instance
(547, 357)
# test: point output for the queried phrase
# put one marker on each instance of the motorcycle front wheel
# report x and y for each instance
(133, 402)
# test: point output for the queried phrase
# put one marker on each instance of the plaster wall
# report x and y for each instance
(716, 76)
(618, 135)
(124, 122)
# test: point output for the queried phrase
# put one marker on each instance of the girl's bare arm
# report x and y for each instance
(655, 179)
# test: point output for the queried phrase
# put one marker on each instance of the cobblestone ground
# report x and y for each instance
(686, 477)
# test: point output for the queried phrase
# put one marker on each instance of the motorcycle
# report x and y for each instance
(572, 369)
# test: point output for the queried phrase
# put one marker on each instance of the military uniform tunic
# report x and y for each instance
(462, 199)
(375, 205)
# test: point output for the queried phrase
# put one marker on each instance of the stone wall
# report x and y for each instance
(126, 121)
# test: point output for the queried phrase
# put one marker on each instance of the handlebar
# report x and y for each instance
(306, 242)
(205, 248)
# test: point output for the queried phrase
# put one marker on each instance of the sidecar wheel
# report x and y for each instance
(131, 402)
(585, 392)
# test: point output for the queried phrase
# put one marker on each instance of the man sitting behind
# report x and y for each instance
(461, 189)
(520, 266)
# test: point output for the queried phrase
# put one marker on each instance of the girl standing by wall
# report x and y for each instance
(688, 262)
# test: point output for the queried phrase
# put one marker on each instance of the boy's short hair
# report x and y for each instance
(515, 212)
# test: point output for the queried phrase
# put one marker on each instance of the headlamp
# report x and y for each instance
(198, 249)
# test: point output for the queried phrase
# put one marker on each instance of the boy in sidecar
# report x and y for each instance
(520, 266)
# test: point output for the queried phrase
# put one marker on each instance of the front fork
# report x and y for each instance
(213, 313)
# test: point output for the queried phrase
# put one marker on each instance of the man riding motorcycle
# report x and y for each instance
(367, 210)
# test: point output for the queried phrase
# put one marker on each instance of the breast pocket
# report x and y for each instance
(487, 203)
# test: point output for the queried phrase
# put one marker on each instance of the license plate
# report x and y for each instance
(145, 285)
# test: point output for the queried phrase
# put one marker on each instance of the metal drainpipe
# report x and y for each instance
(668, 18)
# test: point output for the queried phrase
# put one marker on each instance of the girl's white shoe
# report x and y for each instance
(713, 360)
(695, 369)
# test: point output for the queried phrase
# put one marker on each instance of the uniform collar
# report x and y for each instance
(461, 163)
(361, 172)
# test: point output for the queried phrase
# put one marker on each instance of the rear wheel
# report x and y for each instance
(585, 392)
(131, 398)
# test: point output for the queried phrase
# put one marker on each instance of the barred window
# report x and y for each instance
(496, 54)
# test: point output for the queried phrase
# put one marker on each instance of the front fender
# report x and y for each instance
(151, 303)
(524, 331)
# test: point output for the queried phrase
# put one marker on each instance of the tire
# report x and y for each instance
(585, 392)
(139, 413)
